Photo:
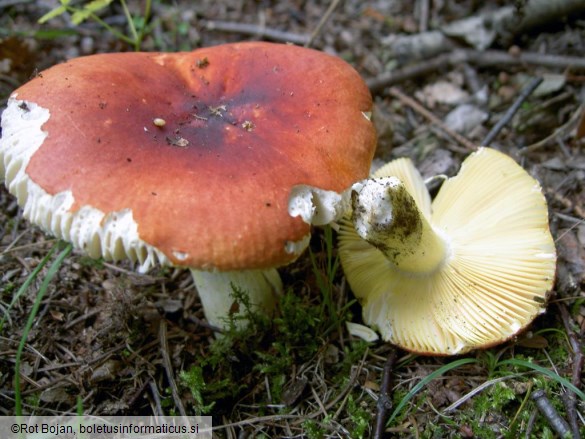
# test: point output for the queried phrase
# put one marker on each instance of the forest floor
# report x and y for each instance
(108, 341)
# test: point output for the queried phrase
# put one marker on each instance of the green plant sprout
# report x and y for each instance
(31, 318)
(194, 381)
(90, 10)
(325, 276)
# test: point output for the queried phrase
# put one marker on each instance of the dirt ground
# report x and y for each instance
(107, 340)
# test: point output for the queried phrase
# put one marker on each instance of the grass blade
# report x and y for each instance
(31, 277)
(437, 373)
(31, 318)
(543, 370)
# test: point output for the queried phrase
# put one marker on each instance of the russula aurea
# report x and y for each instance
(188, 159)
(468, 270)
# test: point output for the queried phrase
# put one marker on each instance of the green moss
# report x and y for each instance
(86, 261)
(312, 430)
(269, 349)
(194, 382)
(360, 419)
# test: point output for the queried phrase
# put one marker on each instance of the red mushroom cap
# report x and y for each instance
(203, 147)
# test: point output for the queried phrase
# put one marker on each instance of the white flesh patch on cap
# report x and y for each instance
(297, 247)
(317, 206)
(113, 236)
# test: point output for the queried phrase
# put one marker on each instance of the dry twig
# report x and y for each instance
(156, 397)
(483, 29)
(545, 407)
(423, 23)
(385, 399)
(256, 31)
(527, 91)
(488, 58)
(470, 146)
(570, 399)
(560, 133)
(164, 350)
(322, 22)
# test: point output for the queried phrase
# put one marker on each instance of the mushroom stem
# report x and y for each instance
(216, 291)
(386, 216)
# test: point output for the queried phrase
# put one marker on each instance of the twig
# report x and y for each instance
(570, 399)
(204, 324)
(548, 411)
(472, 79)
(497, 25)
(355, 373)
(270, 418)
(319, 402)
(156, 397)
(567, 204)
(138, 393)
(350, 384)
(322, 22)
(7, 3)
(432, 118)
(397, 76)
(560, 133)
(12, 246)
(500, 58)
(423, 12)
(527, 91)
(82, 370)
(164, 350)
(258, 420)
(477, 390)
(385, 399)
(530, 424)
(82, 318)
(257, 31)
(488, 58)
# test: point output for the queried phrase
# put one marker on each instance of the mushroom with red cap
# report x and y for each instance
(189, 159)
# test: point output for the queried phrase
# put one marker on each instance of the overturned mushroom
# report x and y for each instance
(163, 158)
(469, 270)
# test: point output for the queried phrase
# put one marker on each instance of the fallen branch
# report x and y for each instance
(256, 31)
(481, 31)
(488, 58)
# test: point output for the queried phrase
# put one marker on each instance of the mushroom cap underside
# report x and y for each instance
(499, 269)
(201, 149)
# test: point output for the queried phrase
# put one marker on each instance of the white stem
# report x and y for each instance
(216, 290)
(386, 216)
